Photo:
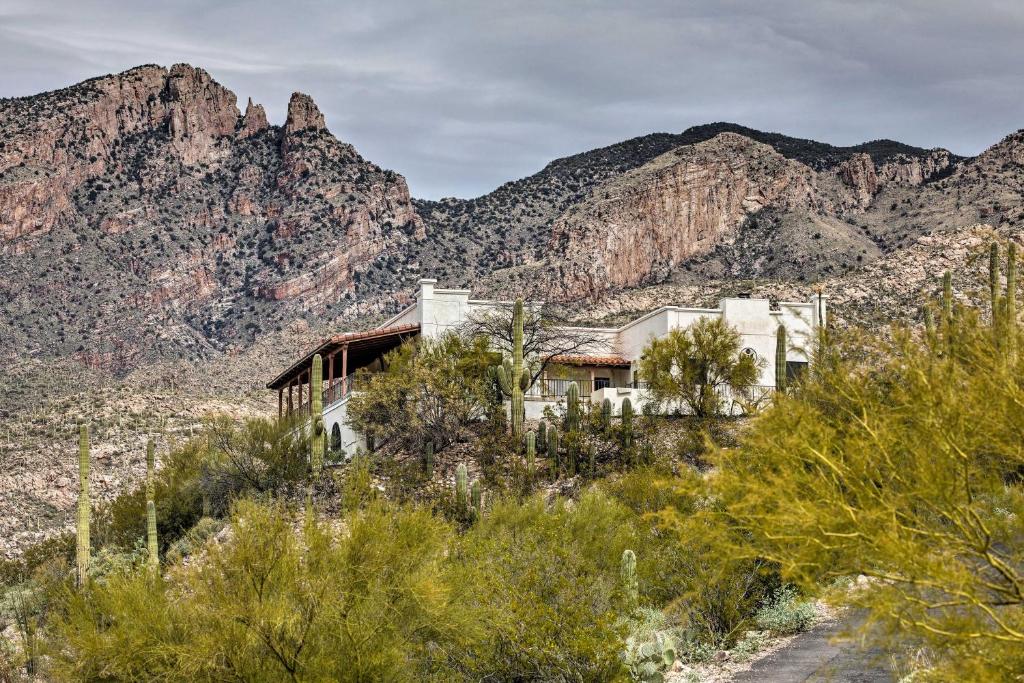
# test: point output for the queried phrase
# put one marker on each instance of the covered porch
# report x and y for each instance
(343, 356)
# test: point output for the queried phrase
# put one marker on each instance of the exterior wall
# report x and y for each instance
(337, 414)
(440, 310)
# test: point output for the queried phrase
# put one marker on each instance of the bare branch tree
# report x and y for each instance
(544, 338)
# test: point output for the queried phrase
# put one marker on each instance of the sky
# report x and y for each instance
(460, 96)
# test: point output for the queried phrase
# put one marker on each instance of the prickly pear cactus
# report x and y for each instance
(650, 660)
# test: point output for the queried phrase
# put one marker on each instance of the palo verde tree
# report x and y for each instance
(691, 369)
(431, 391)
(900, 461)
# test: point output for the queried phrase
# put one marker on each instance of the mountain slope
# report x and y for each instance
(143, 217)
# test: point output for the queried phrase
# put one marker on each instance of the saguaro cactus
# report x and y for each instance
(151, 540)
(1011, 297)
(476, 497)
(606, 415)
(82, 539)
(780, 359)
(572, 407)
(531, 451)
(627, 423)
(513, 377)
(993, 281)
(318, 435)
(553, 445)
(542, 433)
(428, 458)
(461, 488)
(630, 586)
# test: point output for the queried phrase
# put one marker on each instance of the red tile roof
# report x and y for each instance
(608, 361)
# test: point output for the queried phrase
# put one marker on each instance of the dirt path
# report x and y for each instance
(822, 654)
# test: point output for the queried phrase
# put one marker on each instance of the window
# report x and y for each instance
(795, 369)
(335, 437)
(602, 383)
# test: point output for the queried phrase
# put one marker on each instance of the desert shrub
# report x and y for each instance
(258, 456)
(786, 613)
(544, 585)
(900, 459)
(177, 496)
(204, 475)
(194, 539)
(277, 603)
(431, 390)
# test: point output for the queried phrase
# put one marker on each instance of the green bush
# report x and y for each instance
(195, 539)
(786, 613)
(544, 583)
(277, 603)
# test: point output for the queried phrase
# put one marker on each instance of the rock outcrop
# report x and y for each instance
(149, 193)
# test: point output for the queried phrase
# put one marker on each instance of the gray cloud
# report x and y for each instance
(462, 95)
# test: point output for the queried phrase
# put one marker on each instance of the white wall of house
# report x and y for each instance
(440, 310)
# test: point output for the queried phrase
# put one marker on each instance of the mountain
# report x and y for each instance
(143, 217)
(162, 253)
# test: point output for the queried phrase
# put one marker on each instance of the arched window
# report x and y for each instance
(335, 438)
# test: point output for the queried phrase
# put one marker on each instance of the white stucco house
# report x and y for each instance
(607, 370)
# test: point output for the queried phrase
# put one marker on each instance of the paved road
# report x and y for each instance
(822, 654)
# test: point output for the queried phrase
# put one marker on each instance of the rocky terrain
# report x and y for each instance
(163, 253)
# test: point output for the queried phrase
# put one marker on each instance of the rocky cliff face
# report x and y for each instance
(146, 200)
(643, 226)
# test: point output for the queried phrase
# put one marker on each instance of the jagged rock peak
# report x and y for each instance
(255, 120)
(303, 114)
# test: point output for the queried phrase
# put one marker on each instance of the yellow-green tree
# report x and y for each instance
(694, 368)
(901, 462)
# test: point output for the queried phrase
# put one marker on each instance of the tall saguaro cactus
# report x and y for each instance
(630, 586)
(1010, 314)
(993, 281)
(572, 407)
(462, 489)
(318, 435)
(553, 445)
(627, 423)
(82, 539)
(531, 451)
(780, 359)
(152, 547)
(513, 377)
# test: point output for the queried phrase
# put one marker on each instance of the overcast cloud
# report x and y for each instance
(460, 95)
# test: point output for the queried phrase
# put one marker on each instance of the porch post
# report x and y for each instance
(309, 378)
(291, 403)
(344, 370)
(591, 380)
(280, 402)
(330, 369)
